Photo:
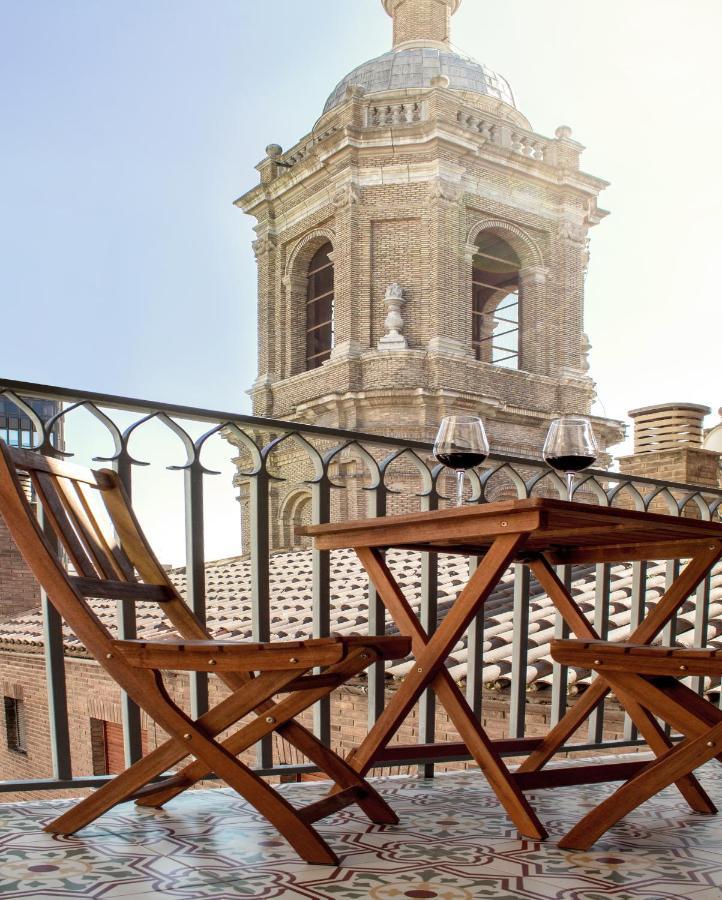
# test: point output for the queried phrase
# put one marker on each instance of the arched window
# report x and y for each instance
(495, 305)
(319, 308)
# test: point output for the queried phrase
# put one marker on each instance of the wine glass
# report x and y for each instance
(461, 444)
(570, 446)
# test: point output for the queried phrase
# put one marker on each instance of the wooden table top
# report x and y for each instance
(567, 532)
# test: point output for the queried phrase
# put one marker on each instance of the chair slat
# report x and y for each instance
(638, 659)
(47, 489)
(122, 590)
(107, 535)
(31, 460)
(90, 533)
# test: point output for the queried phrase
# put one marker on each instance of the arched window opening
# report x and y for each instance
(495, 305)
(319, 308)
(296, 511)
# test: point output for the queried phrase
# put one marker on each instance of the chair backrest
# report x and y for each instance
(107, 559)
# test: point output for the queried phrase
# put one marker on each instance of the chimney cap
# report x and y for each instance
(664, 407)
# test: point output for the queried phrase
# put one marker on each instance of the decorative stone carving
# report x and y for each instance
(264, 245)
(394, 324)
(586, 348)
(348, 195)
(354, 90)
(446, 191)
(533, 275)
(573, 232)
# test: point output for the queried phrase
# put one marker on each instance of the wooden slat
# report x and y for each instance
(568, 776)
(572, 531)
(216, 656)
(642, 660)
(89, 532)
(46, 487)
(329, 805)
(106, 535)
(643, 551)
(31, 460)
(448, 749)
(427, 530)
(122, 590)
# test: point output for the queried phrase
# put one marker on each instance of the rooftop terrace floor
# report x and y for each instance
(454, 841)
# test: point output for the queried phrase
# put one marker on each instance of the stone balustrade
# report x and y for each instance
(524, 143)
(528, 145)
(406, 113)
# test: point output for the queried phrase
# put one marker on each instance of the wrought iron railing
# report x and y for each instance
(259, 439)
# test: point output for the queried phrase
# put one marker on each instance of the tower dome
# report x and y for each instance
(421, 52)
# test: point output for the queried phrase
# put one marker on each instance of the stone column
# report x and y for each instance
(294, 323)
(266, 251)
(450, 300)
(533, 324)
(565, 316)
(346, 201)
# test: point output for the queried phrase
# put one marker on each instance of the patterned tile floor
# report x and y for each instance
(454, 842)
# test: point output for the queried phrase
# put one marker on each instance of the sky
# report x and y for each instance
(130, 126)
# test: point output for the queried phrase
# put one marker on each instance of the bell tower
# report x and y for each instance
(423, 251)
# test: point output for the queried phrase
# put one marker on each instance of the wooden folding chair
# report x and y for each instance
(650, 676)
(112, 559)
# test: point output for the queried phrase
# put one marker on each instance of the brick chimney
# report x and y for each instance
(668, 445)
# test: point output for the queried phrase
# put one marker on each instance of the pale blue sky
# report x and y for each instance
(130, 126)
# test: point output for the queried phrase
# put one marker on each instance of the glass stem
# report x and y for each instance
(570, 485)
(460, 487)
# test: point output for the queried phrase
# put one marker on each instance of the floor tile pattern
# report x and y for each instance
(454, 842)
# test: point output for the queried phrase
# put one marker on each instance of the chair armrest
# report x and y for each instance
(231, 656)
(638, 659)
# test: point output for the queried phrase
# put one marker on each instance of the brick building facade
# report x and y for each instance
(455, 245)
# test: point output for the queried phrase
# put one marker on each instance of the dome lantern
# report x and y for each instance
(421, 53)
(421, 21)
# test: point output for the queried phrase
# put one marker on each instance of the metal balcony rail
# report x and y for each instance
(259, 439)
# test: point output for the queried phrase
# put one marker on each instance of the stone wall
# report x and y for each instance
(19, 591)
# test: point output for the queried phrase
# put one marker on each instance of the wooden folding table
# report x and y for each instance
(543, 533)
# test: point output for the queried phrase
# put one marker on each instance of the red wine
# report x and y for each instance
(570, 463)
(462, 459)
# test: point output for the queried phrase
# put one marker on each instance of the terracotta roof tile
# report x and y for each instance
(229, 609)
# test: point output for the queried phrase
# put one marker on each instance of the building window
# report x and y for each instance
(107, 747)
(319, 308)
(15, 725)
(495, 305)
(17, 430)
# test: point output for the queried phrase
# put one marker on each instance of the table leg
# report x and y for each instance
(429, 670)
